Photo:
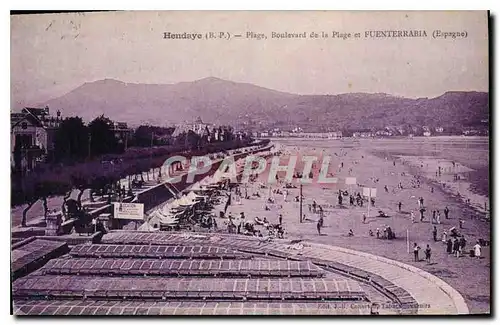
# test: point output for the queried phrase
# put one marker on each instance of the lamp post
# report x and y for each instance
(300, 199)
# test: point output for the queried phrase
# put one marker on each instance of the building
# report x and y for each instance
(199, 127)
(122, 132)
(335, 135)
(363, 134)
(32, 136)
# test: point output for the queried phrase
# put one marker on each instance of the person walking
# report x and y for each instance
(434, 233)
(446, 212)
(318, 227)
(416, 248)
(399, 206)
(477, 250)
(428, 254)
(364, 218)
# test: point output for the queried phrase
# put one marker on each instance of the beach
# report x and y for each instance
(375, 164)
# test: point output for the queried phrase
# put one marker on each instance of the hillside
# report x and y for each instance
(225, 102)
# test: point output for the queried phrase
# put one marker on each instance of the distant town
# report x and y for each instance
(389, 131)
(38, 135)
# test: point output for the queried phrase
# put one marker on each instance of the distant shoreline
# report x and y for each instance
(379, 138)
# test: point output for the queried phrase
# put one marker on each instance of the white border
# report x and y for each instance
(185, 5)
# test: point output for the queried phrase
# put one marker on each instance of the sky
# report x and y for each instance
(52, 54)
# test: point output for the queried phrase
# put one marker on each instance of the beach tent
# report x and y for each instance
(195, 197)
(147, 227)
(185, 201)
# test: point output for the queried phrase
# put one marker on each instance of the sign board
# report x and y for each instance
(350, 180)
(131, 211)
(371, 192)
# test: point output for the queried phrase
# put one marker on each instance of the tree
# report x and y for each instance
(71, 140)
(143, 136)
(193, 140)
(80, 181)
(41, 187)
(102, 137)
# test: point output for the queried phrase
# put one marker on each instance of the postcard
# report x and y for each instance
(250, 163)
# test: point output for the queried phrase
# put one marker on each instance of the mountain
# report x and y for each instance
(226, 102)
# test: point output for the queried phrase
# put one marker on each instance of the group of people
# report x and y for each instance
(416, 252)
(387, 233)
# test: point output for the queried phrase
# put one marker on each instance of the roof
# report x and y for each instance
(36, 111)
(27, 255)
(20, 117)
(132, 272)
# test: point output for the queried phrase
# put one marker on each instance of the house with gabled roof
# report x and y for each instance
(32, 135)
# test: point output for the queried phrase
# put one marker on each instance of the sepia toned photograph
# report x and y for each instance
(243, 163)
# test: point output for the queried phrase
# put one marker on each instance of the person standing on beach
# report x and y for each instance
(438, 217)
(416, 248)
(280, 219)
(399, 206)
(434, 233)
(318, 227)
(364, 218)
(449, 246)
(422, 210)
(433, 216)
(446, 212)
(463, 242)
(477, 250)
(428, 254)
(456, 247)
(445, 235)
